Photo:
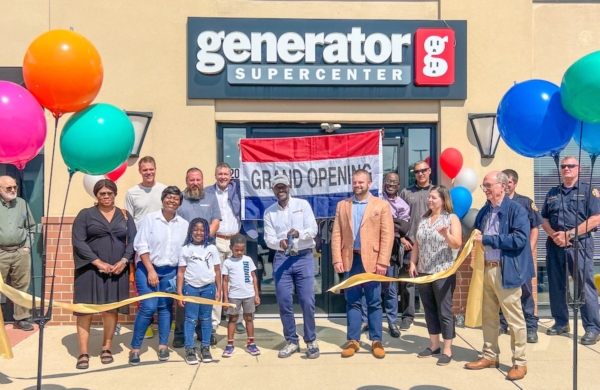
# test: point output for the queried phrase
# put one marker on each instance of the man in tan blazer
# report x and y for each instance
(363, 235)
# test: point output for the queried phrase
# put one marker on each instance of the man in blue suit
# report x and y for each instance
(505, 229)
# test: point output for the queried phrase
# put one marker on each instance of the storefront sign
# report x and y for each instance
(326, 59)
(319, 169)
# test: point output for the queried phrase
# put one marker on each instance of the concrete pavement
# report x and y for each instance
(549, 363)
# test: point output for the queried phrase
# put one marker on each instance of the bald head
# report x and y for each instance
(8, 188)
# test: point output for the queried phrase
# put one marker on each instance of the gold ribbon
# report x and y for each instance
(24, 300)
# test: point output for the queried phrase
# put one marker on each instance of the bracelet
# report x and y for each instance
(125, 261)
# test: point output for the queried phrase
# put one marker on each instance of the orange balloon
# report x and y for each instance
(63, 70)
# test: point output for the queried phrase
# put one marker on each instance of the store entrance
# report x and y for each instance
(403, 145)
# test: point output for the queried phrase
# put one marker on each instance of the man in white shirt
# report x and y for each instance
(144, 198)
(290, 228)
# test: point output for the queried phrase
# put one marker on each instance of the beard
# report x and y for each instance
(194, 193)
(7, 196)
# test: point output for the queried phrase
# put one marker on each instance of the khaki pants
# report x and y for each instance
(509, 300)
(224, 252)
(17, 265)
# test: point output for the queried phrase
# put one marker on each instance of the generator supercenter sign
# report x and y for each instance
(326, 59)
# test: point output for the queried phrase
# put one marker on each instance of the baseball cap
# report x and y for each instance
(281, 179)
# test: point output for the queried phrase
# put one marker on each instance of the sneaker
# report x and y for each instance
(206, 356)
(253, 349)
(312, 350)
(134, 358)
(149, 333)
(288, 350)
(406, 323)
(229, 350)
(240, 328)
(163, 354)
(190, 356)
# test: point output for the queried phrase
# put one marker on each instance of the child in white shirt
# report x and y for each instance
(199, 275)
(240, 287)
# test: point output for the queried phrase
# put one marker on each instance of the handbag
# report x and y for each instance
(131, 266)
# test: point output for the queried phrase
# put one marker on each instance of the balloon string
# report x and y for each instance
(50, 183)
(62, 217)
(556, 157)
(28, 226)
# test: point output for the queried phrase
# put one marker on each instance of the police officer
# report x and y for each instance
(535, 220)
(572, 205)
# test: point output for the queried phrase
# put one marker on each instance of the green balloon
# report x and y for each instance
(97, 139)
(580, 89)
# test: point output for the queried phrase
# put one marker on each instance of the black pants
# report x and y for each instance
(437, 302)
(406, 308)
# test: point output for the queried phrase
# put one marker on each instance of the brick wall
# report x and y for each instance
(63, 288)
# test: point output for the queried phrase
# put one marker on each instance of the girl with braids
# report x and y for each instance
(199, 275)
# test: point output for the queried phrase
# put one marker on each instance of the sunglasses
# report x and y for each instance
(11, 188)
(102, 194)
(570, 166)
(419, 171)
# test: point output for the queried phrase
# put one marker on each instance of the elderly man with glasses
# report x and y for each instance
(17, 227)
(505, 231)
(572, 210)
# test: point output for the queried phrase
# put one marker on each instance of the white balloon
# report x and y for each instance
(468, 221)
(89, 181)
(467, 178)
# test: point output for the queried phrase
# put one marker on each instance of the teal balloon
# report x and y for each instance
(580, 89)
(97, 139)
(588, 137)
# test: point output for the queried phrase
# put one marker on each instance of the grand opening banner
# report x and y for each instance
(319, 168)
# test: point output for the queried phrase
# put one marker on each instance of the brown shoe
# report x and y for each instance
(351, 348)
(377, 350)
(516, 373)
(482, 363)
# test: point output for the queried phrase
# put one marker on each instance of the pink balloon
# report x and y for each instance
(22, 125)
(117, 173)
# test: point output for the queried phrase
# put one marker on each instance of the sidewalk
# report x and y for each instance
(549, 364)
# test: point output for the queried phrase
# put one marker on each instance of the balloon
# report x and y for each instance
(428, 160)
(22, 125)
(461, 200)
(451, 161)
(532, 121)
(590, 137)
(97, 139)
(63, 70)
(468, 221)
(580, 89)
(467, 178)
(89, 181)
(117, 173)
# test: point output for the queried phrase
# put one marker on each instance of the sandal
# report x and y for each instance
(106, 356)
(83, 364)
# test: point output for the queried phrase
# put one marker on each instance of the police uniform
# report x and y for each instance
(527, 302)
(565, 208)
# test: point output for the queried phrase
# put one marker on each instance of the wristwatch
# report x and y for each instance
(571, 234)
(125, 261)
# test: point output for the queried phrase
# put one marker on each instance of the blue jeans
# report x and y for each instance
(196, 312)
(300, 271)
(372, 293)
(149, 306)
(390, 297)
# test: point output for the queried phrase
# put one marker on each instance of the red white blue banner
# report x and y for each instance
(319, 168)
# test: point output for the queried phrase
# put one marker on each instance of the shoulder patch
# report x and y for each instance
(533, 206)
(596, 193)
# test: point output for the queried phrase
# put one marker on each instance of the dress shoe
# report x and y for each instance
(532, 337)
(23, 325)
(557, 330)
(351, 348)
(377, 350)
(394, 331)
(482, 363)
(516, 373)
(503, 331)
(178, 342)
(406, 323)
(589, 338)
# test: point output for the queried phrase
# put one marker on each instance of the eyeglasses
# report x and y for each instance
(487, 186)
(392, 182)
(570, 166)
(11, 188)
(103, 194)
(420, 171)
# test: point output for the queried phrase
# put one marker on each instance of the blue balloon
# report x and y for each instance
(589, 138)
(461, 200)
(532, 120)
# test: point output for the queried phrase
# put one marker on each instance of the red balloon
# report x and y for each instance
(451, 161)
(428, 160)
(117, 173)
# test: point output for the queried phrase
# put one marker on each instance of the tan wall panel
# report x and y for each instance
(499, 53)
